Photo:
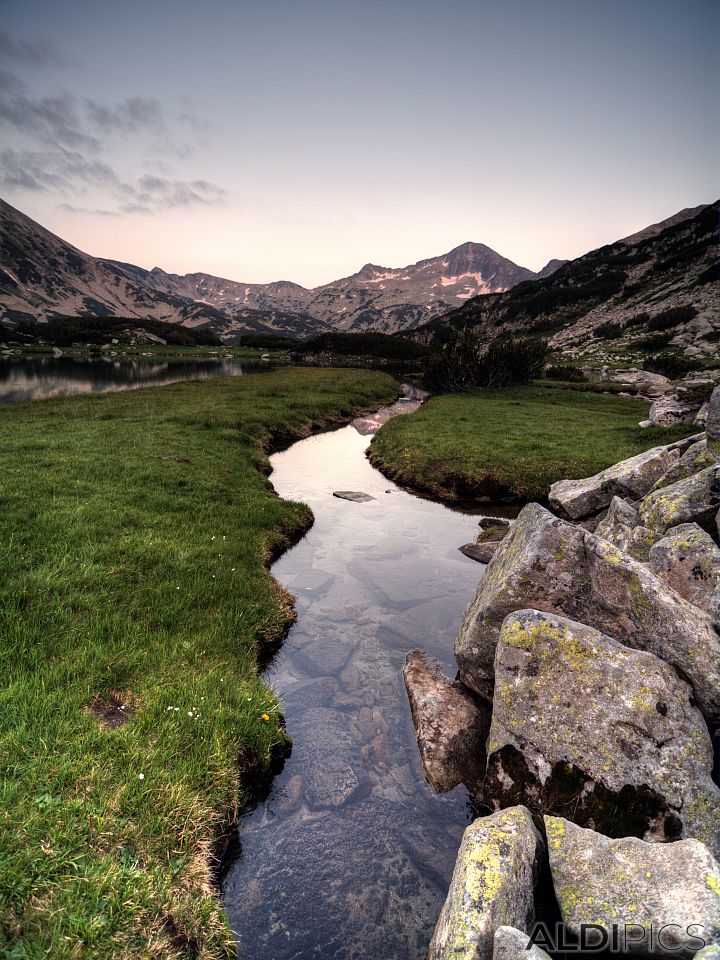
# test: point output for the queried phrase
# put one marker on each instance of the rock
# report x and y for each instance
(493, 529)
(328, 781)
(693, 500)
(710, 952)
(581, 722)
(696, 458)
(512, 944)
(688, 559)
(631, 478)
(663, 897)
(621, 528)
(712, 426)
(702, 415)
(354, 495)
(670, 409)
(493, 885)
(549, 564)
(450, 724)
(482, 552)
(540, 563)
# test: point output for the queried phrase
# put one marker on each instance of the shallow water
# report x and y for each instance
(352, 853)
(40, 377)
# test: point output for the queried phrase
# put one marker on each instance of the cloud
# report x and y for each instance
(36, 53)
(128, 116)
(69, 172)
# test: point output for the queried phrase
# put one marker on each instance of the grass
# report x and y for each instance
(512, 443)
(128, 579)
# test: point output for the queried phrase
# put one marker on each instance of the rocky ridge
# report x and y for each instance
(594, 643)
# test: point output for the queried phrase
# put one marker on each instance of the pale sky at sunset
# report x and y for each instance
(299, 139)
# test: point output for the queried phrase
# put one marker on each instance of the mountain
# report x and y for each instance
(43, 276)
(656, 290)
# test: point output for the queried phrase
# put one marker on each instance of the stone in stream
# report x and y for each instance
(582, 723)
(621, 527)
(688, 559)
(512, 944)
(631, 478)
(451, 725)
(662, 898)
(493, 885)
(551, 565)
(693, 500)
(355, 496)
(493, 529)
(482, 552)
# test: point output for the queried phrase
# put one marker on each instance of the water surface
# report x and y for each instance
(351, 855)
(40, 377)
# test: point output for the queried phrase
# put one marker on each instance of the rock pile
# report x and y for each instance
(592, 647)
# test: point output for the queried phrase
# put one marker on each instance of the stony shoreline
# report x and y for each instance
(586, 711)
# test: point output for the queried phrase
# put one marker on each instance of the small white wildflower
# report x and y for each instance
(141, 776)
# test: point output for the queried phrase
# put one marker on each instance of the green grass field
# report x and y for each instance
(512, 443)
(131, 579)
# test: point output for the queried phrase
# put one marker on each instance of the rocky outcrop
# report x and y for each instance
(693, 500)
(631, 478)
(493, 885)
(512, 944)
(580, 719)
(669, 410)
(696, 458)
(712, 426)
(482, 552)
(662, 899)
(550, 565)
(451, 725)
(688, 559)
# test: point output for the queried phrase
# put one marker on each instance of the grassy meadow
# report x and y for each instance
(134, 598)
(512, 443)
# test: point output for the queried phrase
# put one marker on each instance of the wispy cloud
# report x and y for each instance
(59, 141)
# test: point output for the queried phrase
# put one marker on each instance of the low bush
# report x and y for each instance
(672, 366)
(672, 318)
(563, 371)
(465, 364)
(609, 331)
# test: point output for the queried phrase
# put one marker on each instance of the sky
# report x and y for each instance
(300, 139)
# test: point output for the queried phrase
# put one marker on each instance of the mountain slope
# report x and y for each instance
(655, 290)
(42, 276)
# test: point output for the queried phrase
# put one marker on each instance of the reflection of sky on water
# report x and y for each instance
(39, 378)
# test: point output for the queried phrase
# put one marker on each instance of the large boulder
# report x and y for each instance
(688, 559)
(696, 458)
(672, 409)
(621, 527)
(512, 944)
(662, 898)
(549, 564)
(693, 500)
(582, 723)
(540, 563)
(493, 885)
(631, 478)
(450, 723)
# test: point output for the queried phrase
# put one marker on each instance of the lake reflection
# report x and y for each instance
(38, 378)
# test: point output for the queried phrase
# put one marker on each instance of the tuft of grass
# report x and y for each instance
(135, 529)
(512, 443)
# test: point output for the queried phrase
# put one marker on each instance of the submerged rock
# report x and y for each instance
(631, 478)
(512, 944)
(581, 722)
(688, 559)
(450, 724)
(354, 495)
(667, 894)
(493, 885)
(549, 564)
(482, 552)
(693, 500)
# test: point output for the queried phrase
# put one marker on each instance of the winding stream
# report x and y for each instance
(352, 853)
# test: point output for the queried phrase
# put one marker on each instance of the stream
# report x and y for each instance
(351, 854)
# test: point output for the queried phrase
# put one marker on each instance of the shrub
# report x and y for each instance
(609, 331)
(379, 345)
(670, 365)
(464, 364)
(656, 341)
(638, 320)
(563, 371)
(672, 318)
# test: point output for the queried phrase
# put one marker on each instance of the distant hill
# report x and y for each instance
(43, 276)
(656, 290)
